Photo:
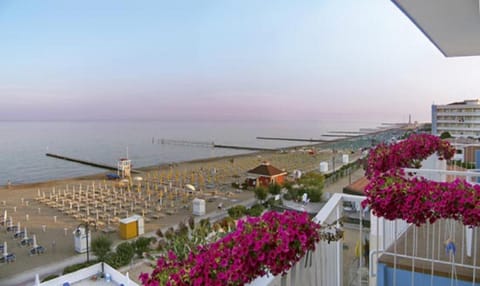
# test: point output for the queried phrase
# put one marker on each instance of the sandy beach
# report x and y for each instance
(52, 210)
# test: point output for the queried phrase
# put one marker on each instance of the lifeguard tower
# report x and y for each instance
(124, 167)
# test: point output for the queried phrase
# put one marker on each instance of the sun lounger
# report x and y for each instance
(37, 250)
(18, 234)
(9, 258)
(26, 242)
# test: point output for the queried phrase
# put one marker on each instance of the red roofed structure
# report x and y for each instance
(265, 175)
(357, 187)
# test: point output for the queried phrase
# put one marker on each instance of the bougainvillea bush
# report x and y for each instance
(271, 243)
(392, 194)
(407, 153)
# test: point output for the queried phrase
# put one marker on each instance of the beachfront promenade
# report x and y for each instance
(53, 224)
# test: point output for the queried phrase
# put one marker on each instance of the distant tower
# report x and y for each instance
(409, 119)
(124, 167)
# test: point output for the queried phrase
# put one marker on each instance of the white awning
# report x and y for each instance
(453, 26)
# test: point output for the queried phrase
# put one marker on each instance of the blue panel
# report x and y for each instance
(404, 278)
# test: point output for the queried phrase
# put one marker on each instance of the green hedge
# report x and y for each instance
(237, 212)
(50, 277)
(75, 267)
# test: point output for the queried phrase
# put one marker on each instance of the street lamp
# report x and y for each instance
(86, 226)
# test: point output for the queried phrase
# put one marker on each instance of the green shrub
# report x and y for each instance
(50, 277)
(314, 194)
(125, 252)
(141, 245)
(101, 246)
(75, 267)
(114, 260)
(312, 184)
(237, 212)
(292, 194)
(271, 202)
(274, 189)
(312, 179)
(255, 210)
(288, 185)
(260, 193)
(445, 135)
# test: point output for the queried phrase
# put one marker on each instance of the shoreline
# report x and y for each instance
(102, 175)
(163, 166)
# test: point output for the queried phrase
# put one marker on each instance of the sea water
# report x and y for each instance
(25, 143)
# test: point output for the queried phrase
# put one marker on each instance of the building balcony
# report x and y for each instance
(441, 253)
(458, 113)
(325, 266)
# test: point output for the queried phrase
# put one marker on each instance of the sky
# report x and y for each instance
(222, 60)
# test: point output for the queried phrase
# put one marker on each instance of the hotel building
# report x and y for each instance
(460, 119)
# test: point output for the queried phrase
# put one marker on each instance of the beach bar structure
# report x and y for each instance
(265, 175)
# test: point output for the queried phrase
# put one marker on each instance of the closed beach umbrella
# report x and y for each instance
(37, 280)
(35, 241)
(25, 236)
(5, 252)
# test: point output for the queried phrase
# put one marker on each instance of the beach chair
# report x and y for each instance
(26, 242)
(18, 234)
(9, 258)
(37, 250)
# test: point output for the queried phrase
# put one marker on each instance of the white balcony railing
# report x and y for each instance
(420, 251)
(324, 267)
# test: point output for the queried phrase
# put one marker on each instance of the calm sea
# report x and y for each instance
(24, 144)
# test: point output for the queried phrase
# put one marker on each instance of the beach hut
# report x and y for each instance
(131, 227)
(265, 175)
(198, 207)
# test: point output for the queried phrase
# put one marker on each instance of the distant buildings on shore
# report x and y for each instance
(460, 119)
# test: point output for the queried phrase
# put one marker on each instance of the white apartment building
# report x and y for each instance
(460, 119)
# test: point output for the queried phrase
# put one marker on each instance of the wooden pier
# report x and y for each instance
(243, 148)
(347, 132)
(187, 143)
(212, 145)
(88, 163)
(293, 139)
(340, 135)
